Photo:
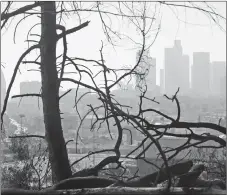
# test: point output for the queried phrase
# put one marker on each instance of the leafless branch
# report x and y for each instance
(27, 95)
(14, 76)
(75, 29)
(65, 93)
(27, 136)
(6, 16)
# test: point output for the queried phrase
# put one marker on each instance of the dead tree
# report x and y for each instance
(50, 90)
(52, 75)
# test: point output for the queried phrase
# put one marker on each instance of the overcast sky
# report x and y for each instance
(198, 34)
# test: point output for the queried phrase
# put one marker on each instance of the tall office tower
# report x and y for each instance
(162, 81)
(201, 74)
(147, 63)
(184, 75)
(176, 70)
(3, 88)
(218, 69)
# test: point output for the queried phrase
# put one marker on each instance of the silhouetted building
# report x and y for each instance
(3, 88)
(176, 70)
(201, 74)
(218, 73)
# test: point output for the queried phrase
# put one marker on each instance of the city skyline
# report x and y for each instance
(196, 32)
(158, 78)
(213, 79)
(203, 77)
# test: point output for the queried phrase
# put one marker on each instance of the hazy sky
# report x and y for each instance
(198, 34)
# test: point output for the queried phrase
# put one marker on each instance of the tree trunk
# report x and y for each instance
(50, 95)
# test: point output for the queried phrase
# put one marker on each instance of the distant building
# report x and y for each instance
(184, 75)
(217, 77)
(148, 65)
(67, 102)
(3, 88)
(30, 87)
(162, 81)
(176, 70)
(201, 74)
(223, 86)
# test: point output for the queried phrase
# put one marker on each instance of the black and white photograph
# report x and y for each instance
(113, 97)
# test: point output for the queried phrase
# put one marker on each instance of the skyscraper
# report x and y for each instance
(218, 72)
(184, 83)
(176, 70)
(162, 81)
(201, 74)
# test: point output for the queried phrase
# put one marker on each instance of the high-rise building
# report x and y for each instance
(184, 75)
(3, 88)
(176, 70)
(162, 81)
(218, 72)
(201, 74)
(147, 63)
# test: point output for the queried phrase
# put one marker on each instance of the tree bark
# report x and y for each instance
(50, 95)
